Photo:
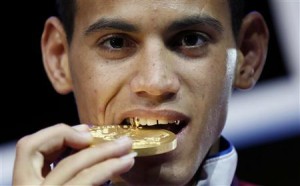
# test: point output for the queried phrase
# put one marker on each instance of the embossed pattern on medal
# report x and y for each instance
(146, 142)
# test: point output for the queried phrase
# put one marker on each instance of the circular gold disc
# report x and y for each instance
(146, 142)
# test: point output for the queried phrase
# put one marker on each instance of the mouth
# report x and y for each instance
(174, 126)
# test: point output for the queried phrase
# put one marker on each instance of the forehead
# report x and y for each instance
(160, 12)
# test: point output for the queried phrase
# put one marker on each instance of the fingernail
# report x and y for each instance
(87, 135)
(129, 156)
(81, 127)
(123, 140)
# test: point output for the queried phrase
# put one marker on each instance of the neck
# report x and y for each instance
(200, 174)
(215, 148)
(118, 181)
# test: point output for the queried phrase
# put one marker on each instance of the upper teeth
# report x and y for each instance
(150, 122)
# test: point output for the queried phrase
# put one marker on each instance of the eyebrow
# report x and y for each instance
(108, 24)
(188, 21)
(196, 20)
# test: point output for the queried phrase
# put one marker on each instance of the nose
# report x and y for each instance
(156, 75)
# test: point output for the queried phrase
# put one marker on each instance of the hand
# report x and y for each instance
(89, 166)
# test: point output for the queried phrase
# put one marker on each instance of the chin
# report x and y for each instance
(161, 169)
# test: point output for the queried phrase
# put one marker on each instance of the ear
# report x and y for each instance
(253, 46)
(55, 55)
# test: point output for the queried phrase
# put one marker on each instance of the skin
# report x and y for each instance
(159, 71)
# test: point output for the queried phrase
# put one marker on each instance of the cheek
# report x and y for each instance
(221, 75)
(86, 94)
(86, 88)
(210, 81)
(97, 90)
(212, 87)
(218, 95)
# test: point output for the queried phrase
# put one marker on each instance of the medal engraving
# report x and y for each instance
(146, 142)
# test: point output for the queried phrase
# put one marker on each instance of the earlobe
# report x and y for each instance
(55, 56)
(244, 75)
(253, 46)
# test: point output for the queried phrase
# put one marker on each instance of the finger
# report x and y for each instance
(62, 135)
(84, 159)
(69, 151)
(32, 150)
(82, 128)
(104, 171)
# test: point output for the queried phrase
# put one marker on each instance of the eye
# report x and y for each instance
(191, 40)
(116, 42)
(190, 44)
(116, 46)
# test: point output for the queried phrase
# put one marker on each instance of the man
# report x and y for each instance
(155, 60)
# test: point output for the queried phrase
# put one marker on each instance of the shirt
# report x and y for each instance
(219, 169)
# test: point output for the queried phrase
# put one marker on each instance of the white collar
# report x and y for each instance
(220, 168)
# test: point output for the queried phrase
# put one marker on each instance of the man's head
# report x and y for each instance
(160, 61)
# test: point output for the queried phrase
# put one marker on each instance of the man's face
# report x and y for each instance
(160, 61)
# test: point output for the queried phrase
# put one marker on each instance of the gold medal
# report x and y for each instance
(146, 142)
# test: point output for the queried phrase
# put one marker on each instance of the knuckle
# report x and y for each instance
(62, 126)
(85, 172)
(23, 143)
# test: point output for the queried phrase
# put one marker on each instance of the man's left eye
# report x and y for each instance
(114, 42)
(191, 44)
(192, 40)
(116, 46)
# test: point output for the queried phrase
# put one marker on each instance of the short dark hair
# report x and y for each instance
(237, 14)
(66, 10)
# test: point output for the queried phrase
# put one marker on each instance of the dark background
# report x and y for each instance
(30, 103)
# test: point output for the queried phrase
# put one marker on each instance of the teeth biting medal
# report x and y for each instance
(147, 141)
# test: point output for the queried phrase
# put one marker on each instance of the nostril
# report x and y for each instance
(169, 96)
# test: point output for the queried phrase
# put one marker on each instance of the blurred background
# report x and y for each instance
(263, 123)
